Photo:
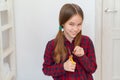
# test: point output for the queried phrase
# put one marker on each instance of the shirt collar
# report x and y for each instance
(67, 41)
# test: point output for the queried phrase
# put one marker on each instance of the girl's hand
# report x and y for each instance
(78, 51)
(69, 66)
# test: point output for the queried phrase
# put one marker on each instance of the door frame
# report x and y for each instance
(98, 37)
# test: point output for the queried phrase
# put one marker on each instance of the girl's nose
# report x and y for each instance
(75, 28)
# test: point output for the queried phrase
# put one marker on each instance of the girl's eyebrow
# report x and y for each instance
(80, 23)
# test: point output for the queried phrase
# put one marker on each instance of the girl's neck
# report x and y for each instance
(69, 39)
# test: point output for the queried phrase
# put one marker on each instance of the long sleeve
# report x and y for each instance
(88, 61)
(49, 66)
(85, 65)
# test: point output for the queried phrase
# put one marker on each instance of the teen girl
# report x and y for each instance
(70, 55)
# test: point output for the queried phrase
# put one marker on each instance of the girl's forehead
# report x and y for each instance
(75, 18)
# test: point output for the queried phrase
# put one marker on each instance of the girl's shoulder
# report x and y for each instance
(51, 42)
(85, 37)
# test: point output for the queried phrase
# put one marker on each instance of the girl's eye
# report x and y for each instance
(71, 24)
(79, 24)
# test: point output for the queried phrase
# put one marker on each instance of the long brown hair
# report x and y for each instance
(66, 12)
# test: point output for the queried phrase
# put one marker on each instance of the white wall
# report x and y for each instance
(36, 22)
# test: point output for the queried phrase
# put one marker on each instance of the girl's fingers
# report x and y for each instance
(78, 51)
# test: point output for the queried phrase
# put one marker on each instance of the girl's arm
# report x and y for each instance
(88, 60)
(49, 66)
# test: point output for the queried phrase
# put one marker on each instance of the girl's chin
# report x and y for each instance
(73, 36)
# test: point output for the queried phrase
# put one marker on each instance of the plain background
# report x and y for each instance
(36, 22)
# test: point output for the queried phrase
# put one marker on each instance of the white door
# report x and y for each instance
(111, 40)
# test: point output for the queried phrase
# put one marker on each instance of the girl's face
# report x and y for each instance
(72, 27)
